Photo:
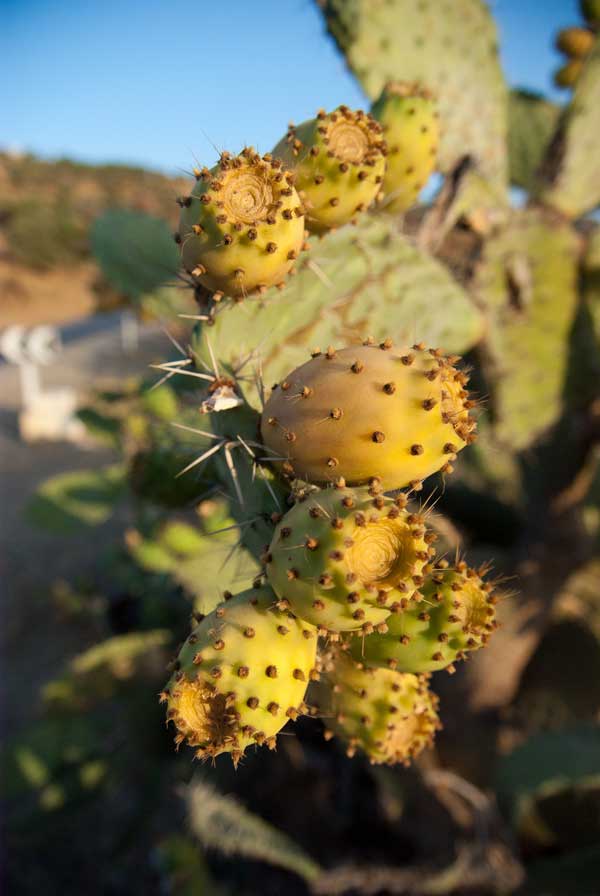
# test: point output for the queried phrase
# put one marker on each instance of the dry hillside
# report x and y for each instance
(46, 209)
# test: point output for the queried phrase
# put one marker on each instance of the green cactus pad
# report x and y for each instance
(409, 118)
(531, 124)
(242, 227)
(527, 279)
(135, 252)
(455, 616)
(451, 48)
(570, 175)
(399, 414)
(342, 558)
(361, 281)
(339, 164)
(240, 676)
(388, 715)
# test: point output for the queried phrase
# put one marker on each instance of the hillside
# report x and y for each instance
(46, 210)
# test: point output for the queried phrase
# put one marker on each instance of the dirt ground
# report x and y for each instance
(33, 560)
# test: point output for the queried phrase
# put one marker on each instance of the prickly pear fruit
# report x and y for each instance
(370, 411)
(240, 676)
(242, 226)
(339, 163)
(567, 74)
(409, 118)
(391, 716)
(590, 10)
(575, 42)
(342, 559)
(456, 615)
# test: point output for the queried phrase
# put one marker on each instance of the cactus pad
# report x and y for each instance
(347, 287)
(339, 164)
(240, 676)
(242, 227)
(532, 121)
(388, 715)
(409, 118)
(343, 559)
(570, 175)
(451, 48)
(528, 281)
(396, 414)
(456, 616)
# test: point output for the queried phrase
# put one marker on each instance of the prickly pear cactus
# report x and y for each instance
(242, 226)
(388, 715)
(532, 122)
(570, 175)
(409, 118)
(450, 48)
(347, 288)
(455, 616)
(344, 558)
(240, 676)
(399, 414)
(339, 163)
(527, 280)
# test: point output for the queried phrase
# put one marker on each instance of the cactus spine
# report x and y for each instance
(240, 676)
(242, 227)
(454, 617)
(409, 118)
(371, 411)
(339, 163)
(343, 559)
(388, 715)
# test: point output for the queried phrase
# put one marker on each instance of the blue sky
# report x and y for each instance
(155, 82)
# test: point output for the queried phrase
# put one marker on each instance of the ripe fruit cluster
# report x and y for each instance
(576, 44)
(351, 613)
(245, 222)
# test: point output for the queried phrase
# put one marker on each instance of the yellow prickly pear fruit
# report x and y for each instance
(240, 676)
(567, 75)
(242, 227)
(455, 616)
(409, 118)
(344, 559)
(370, 411)
(339, 162)
(390, 716)
(575, 42)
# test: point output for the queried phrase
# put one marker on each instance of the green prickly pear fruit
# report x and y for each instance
(242, 227)
(409, 118)
(456, 616)
(240, 676)
(590, 10)
(339, 163)
(370, 411)
(343, 559)
(391, 716)
(575, 42)
(567, 75)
